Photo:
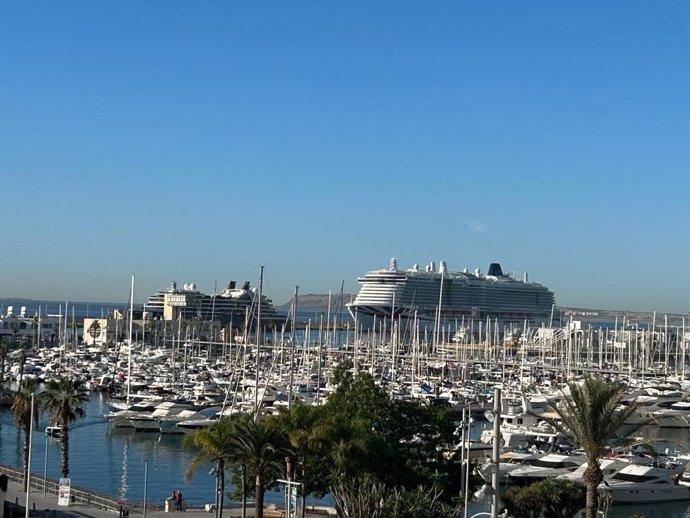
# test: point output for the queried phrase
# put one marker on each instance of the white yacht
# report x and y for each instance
(150, 422)
(548, 466)
(521, 424)
(640, 484)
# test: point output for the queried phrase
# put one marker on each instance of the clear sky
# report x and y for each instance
(196, 141)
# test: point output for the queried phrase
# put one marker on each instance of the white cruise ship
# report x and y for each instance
(417, 294)
(233, 305)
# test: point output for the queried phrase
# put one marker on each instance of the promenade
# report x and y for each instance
(43, 504)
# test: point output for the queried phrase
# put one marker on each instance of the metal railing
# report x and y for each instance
(78, 495)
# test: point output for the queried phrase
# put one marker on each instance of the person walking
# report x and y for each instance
(178, 500)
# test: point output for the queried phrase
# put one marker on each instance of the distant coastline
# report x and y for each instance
(317, 302)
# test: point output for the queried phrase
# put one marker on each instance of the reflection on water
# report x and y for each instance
(125, 461)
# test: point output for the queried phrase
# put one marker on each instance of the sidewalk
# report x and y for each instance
(46, 507)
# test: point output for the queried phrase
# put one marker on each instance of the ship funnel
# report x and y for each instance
(442, 267)
(432, 266)
(393, 265)
(495, 270)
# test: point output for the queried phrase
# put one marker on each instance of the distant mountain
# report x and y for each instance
(318, 302)
(592, 313)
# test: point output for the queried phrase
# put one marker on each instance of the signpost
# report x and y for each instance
(64, 491)
(291, 493)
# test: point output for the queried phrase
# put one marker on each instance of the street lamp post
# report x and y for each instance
(28, 466)
(496, 443)
(45, 469)
(146, 482)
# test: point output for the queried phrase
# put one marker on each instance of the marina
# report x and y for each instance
(159, 373)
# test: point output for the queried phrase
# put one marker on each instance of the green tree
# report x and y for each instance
(215, 445)
(553, 498)
(307, 447)
(22, 363)
(419, 503)
(14, 327)
(262, 449)
(95, 330)
(152, 327)
(365, 497)
(561, 498)
(21, 413)
(593, 416)
(401, 443)
(359, 497)
(64, 399)
(36, 334)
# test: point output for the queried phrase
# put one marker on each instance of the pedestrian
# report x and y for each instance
(178, 500)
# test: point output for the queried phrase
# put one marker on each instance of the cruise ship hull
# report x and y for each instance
(370, 317)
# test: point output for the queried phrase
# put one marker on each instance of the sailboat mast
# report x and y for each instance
(258, 344)
(129, 353)
(292, 345)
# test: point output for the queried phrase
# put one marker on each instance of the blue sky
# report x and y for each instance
(196, 141)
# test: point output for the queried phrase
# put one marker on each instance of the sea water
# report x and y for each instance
(113, 461)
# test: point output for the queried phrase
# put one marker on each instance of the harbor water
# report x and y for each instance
(110, 461)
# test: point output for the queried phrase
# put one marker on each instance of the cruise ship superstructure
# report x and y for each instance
(420, 293)
(236, 305)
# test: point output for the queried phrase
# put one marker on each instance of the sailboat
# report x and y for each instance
(119, 417)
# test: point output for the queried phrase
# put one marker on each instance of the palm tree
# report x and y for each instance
(592, 415)
(262, 449)
(14, 327)
(22, 362)
(308, 437)
(4, 350)
(215, 445)
(64, 399)
(36, 334)
(21, 409)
